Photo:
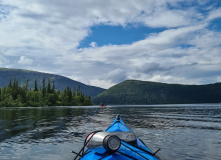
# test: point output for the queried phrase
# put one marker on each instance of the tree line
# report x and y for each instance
(16, 96)
(140, 92)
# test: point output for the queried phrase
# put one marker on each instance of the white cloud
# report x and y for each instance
(149, 67)
(93, 44)
(50, 31)
(214, 14)
(172, 79)
(3, 60)
(161, 56)
(218, 78)
(162, 17)
(203, 2)
(63, 24)
(25, 61)
(101, 83)
(116, 76)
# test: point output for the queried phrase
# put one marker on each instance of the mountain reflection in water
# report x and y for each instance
(181, 131)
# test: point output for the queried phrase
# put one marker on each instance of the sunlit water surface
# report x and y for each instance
(183, 132)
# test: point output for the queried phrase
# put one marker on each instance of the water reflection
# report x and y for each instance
(182, 132)
(39, 123)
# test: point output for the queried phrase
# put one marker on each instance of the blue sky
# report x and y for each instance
(103, 43)
(103, 35)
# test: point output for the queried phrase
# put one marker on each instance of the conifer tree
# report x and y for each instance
(74, 93)
(0, 94)
(49, 86)
(26, 86)
(43, 88)
(69, 93)
(36, 86)
(10, 84)
(53, 87)
(78, 91)
(15, 89)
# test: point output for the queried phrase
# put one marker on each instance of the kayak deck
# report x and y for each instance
(126, 151)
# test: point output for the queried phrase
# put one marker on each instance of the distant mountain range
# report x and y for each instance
(60, 82)
(127, 92)
(140, 92)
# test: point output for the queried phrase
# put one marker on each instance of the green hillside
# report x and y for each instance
(140, 92)
(60, 82)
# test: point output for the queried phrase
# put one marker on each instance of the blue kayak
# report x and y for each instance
(117, 142)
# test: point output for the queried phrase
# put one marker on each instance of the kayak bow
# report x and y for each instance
(117, 142)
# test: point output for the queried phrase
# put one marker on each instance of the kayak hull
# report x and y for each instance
(126, 151)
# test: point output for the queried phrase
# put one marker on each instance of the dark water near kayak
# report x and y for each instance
(183, 132)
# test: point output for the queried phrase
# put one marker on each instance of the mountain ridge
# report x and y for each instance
(146, 92)
(61, 82)
(127, 92)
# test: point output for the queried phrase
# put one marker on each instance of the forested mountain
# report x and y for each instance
(59, 81)
(140, 92)
(16, 96)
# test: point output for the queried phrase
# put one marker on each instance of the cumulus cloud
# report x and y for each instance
(152, 67)
(2, 60)
(172, 79)
(109, 79)
(49, 32)
(116, 76)
(25, 61)
(159, 57)
(93, 44)
(218, 78)
(101, 83)
(43, 24)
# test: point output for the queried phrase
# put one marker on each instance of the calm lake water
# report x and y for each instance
(183, 132)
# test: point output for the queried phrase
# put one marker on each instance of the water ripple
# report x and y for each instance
(181, 131)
